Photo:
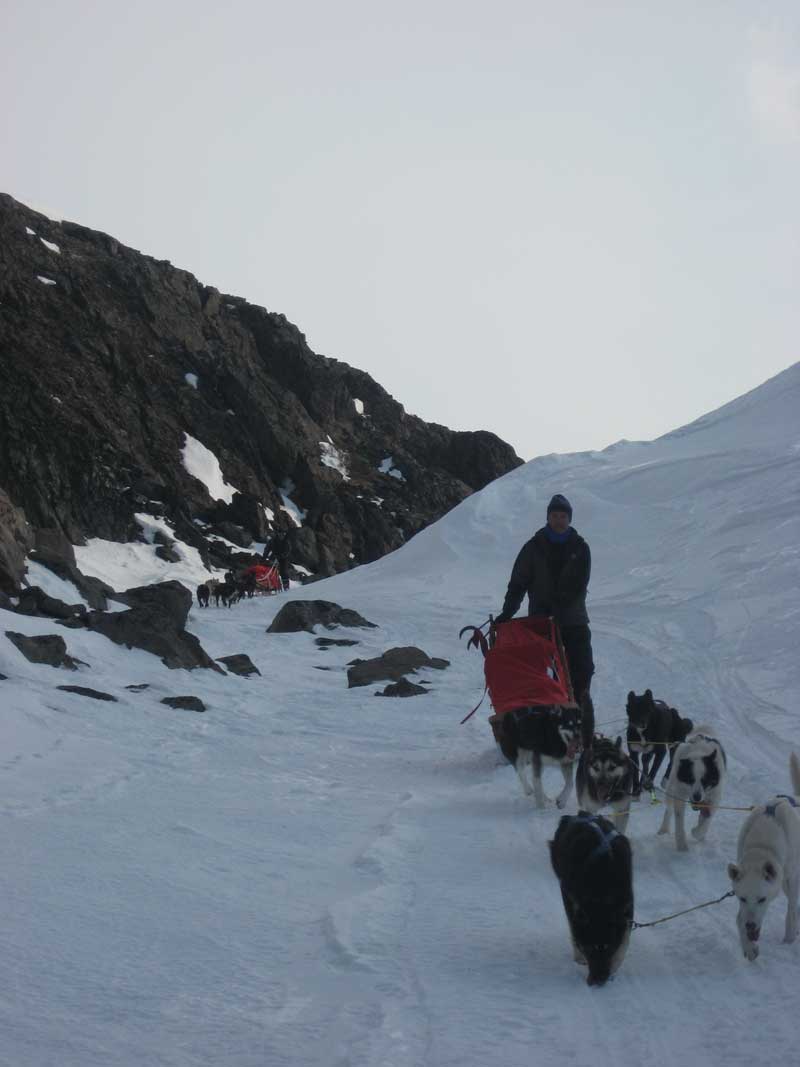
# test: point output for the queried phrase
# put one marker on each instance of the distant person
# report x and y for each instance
(553, 568)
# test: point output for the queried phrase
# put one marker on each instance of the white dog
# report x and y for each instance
(768, 859)
(696, 777)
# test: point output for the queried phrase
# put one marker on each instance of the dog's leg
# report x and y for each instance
(668, 771)
(681, 843)
(703, 819)
(577, 955)
(658, 759)
(791, 888)
(538, 791)
(563, 796)
(633, 756)
(666, 822)
(520, 764)
(647, 780)
(622, 811)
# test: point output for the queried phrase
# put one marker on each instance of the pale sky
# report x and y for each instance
(568, 223)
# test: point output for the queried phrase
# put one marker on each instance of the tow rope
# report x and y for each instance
(639, 926)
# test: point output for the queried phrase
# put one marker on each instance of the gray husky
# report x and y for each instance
(606, 776)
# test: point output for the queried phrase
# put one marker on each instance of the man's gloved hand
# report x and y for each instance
(502, 617)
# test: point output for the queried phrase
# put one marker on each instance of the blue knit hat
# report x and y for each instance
(560, 503)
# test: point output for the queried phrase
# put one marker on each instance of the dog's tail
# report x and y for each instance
(794, 770)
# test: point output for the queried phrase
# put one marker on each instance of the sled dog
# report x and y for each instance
(534, 737)
(605, 776)
(768, 860)
(203, 595)
(695, 777)
(592, 862)
(653, 729)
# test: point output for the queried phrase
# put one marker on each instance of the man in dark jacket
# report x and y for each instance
(553, 568)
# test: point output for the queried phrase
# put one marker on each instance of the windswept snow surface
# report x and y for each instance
(308, 875)
(203, 465)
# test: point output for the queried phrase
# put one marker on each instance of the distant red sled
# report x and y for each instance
(267, 578)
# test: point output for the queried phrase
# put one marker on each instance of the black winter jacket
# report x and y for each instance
(552, 589)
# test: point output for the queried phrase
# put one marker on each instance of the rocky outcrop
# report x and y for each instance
(155, 622)
(299, 615)
(16, 540)
(240, 663)
(34, 601)
(403, 688)
(55, 551)
(112, 357)
(84, 691)
(392, 665)
(50, 649)
(186, 703)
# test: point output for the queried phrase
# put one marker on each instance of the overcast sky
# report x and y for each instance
(565, 222)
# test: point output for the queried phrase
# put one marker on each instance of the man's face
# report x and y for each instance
(558, 521)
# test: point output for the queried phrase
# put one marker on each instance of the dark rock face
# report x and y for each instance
(403, 688)
(186, 703)
(300, 615)
(168, 599)
(81, 690)
(16, 540)
(54, 551)
(333, 642)
(34, 601)
(239, 664)
(392, 665)
(48, 648)
(154, 622)
(140, 688)
(120, 358)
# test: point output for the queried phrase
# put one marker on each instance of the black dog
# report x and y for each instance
(223, 591)
(606, 776)
(203, 595)
(592, 862)
(538, 736)
(653, 728)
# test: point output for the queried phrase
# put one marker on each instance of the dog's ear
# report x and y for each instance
(769, 871)
(618, 742)
(648, 694)
(733, 872)
(631, 695)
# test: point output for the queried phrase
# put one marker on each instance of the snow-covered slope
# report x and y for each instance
(308, 875)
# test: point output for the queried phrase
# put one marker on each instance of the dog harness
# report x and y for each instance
(770, 809)
(606, 836)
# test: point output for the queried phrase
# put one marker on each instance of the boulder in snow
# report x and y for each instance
(82, 690)
(299, 615)
(46, 648)
(403, 688)
(186, 703)
(240, 663)
(392, 665)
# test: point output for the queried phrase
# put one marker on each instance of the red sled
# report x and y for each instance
(525, 666)
(267, 578)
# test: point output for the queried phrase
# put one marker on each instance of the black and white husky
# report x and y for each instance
(593, 864)
(535, 737)
(696, 777)
(768, 860)
(604, 777)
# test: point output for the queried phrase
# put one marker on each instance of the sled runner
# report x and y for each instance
(525, 666)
